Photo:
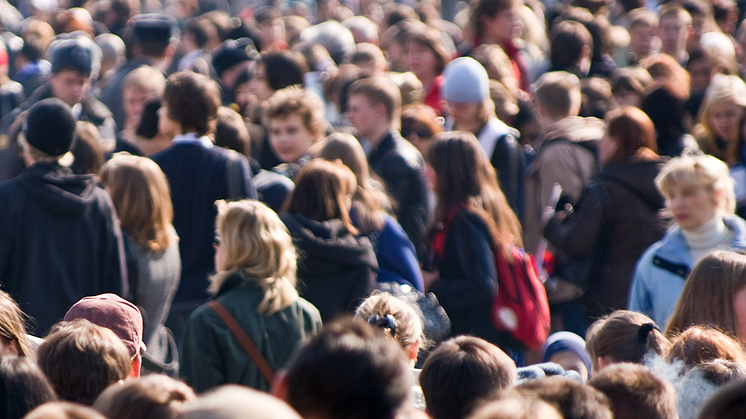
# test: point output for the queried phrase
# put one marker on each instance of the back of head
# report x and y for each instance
(150, 397)
(407, 326)
(624, 336)
(700, 344)
(23, 387)
(236, 402)
(13, 324)
(77, 52)
(337, 39)
(571, 398)
(569, 41)
(347, 149)
(63, 410)
(193, 101)
(636, 393)
(349, 371)
(462, 372)
(516, 405)
(631, 130)
(49, 128)
(283, 69)
(152, 34)
(81, 359)
(558, 93)
(231, 131)
(728, 403)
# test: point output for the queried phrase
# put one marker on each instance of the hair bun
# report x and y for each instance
(644, 331)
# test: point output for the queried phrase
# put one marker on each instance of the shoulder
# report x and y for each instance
(405, 155)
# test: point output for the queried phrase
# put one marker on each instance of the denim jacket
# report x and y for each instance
(664, 267)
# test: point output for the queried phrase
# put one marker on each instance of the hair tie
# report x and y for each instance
(384, 322)
(644, 331)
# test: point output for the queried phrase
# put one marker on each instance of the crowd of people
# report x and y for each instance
(224, 208)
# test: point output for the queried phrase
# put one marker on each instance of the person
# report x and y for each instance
(474, 221)
(567, 154)
(256, 283)
(699, 193)
(81, 360)
(23, 387)
(49, 258)
(571, 48)
(154, 396)
(140, 193)
(721, 117)
(236, 402)
(347, 370)
(460, 373)
(419, 124)
(470, 108)
(229, 59)
(618, 215)
(567, 350)
(700, 344)
(623, 336)
(118, 315)
(713, 294)
(373, 108)
(395, 253)
(151, 45)
(141, 86)
(188, 113)
(336, 267)
(674, 27)
(635, 392)
(665, 107)
(295, 122)
(641, 24)
(14, 339)
(516, 405)
(571, 398)
(427, 57)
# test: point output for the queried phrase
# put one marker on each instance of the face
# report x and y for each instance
(463, 113)
(701, 74)
(726, 119)
(692, 206)
(166, 125)
(607, 148)
(289, 138)
(359, 113)
(571, 362)
(641, 40)
(698, 24)
(421, 61)
(504, 26)
(258, 85)
(134, 101)
(70, 86)
(673, 35)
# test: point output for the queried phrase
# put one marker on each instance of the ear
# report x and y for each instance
(280, 385)
(414, 350)
(136, 366)
(380, 110)
(602, 363)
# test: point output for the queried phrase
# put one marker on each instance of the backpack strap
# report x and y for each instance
(590, 145)
(244, 340)
(234, 173)
(439, 239)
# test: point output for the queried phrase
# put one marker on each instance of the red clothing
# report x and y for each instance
(519, 66)
(432, 97)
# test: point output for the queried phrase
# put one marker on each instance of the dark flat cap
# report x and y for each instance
(78, 53)
(153, 27)
(232, 52)
(50, 127)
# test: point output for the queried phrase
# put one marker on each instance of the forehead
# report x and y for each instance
(290, 118)
(70, 74)
(359, 100)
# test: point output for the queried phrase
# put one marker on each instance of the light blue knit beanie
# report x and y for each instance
(466, 81)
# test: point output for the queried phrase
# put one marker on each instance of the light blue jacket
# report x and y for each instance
(664, 267)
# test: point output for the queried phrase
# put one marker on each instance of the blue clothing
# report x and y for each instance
(397, 261)
(664, 267)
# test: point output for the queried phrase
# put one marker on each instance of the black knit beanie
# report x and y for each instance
(50, 127)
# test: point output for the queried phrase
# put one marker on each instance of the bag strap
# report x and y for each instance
(234, 174)
(245, 340)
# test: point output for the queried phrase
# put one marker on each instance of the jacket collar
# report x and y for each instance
(674, 247)
(387, 144)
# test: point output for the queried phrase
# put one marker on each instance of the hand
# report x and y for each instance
(428, 277)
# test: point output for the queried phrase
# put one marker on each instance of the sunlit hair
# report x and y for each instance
(295, 100)
(723, 91)
(12, 324)
(257, 245)
(321, 189)
(700, 344)
(707, 297)
(142, 198)
(370, 203)
(632, 131)
(699, 171)
(408, 324)
(464, 175)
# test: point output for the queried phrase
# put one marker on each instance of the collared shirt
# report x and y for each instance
(191, 137)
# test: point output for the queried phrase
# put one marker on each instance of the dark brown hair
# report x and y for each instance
(568, 38)
(193, 101)
(699, 344)
(151, 397)
(636, 393)
(23, 387)
(632, 131)
(488, 8)
(430, 38)
(572, 399)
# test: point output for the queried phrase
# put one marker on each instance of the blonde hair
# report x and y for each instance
(408, 328)
(141, 196)
(146, 79)
(724, 90)
(698, 171)
(559, 93)
(258, 246)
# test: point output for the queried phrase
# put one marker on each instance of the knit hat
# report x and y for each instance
(466, 81)
(566, 341)
(112, 312)
(50, 127)
(232, 52)
(75, 51)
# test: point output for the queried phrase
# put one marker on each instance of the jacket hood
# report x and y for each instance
(57, 189)
(329, 240)
(639, 176)
(576, 128)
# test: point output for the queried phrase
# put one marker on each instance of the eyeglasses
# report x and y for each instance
(422, 133)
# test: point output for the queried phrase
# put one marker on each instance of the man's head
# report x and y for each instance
(642, 25)
(81, 359)
(674, 29)
(462, 372)
(190, 104)
(140, 87)
(152, 35)
(117, 314)
(373, 102)
(49, 130)
(571, 398)
(636, 393)
(230, 57)
(349, 370)
(236, 402)
(558, 96)
(572, 45)
(75, 61)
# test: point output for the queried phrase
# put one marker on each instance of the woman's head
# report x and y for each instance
(323, 191)
(426, 55)
(142, 198)
(418, 125)
(628, 132)
(713, 294)
(723, 108)
(623, 336)
(702, 344)
(696, 188)
(23, 387)
(406, 327)
(252, 240)
(13, 338)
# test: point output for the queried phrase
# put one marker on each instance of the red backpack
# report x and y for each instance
(520, 305)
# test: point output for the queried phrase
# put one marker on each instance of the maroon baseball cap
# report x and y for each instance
(112, 312)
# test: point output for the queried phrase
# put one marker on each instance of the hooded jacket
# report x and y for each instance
(627, 223)
(336, 270)
(60, 240)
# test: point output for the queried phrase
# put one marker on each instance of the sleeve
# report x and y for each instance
(200, 361)
(509, 161)
(578, 232)
(113, 273)
(409, 190)
(561, 164)
(640, 299)
(396, 253)
(467, 271)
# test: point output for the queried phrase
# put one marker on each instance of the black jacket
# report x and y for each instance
(60, 241)
(630, 223)
(336, 270)
(400, 166)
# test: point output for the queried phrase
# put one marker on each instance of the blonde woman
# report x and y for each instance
(256, 283)
(699, 193)
(721, 115)
(141, 196)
